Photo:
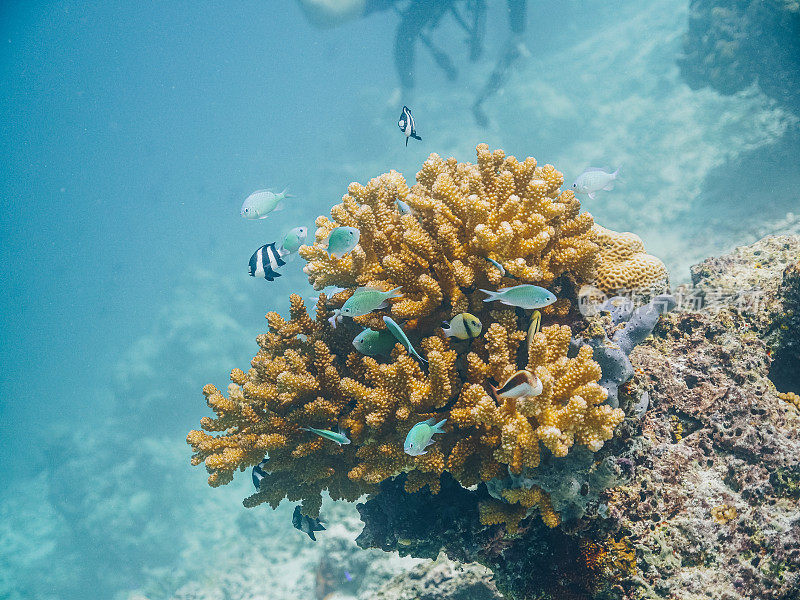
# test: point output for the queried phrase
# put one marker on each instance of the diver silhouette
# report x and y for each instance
(419, 20)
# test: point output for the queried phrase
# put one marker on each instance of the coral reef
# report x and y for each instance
(500, 208)
(732, 45)
(658, 459)
(623, 265)
(306, 373)
(711, 512)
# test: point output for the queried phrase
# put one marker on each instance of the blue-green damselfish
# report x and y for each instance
(401, 337)
(420, 436)
(524, 296)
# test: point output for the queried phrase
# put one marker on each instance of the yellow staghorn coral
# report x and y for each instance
(307, 373)
(623, 264)
(791, 398)
(493, 512)
(570, 408)
(500, 208)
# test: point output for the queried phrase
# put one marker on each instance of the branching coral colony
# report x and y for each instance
(307, 373)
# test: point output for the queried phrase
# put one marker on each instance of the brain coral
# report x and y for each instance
(307, 373)
(623, 264)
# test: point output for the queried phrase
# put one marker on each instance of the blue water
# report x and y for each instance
(132, 132)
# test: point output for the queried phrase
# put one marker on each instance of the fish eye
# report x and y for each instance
(574, 185)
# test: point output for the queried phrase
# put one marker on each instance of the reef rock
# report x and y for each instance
(732, 45)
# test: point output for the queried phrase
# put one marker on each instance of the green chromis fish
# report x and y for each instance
(342, 240)
(259, 204)
(366, 299)
(338, 437)
(420, 436)
(401, 337)
(370, 342)
(402, 207)
(497, 265)
(463, 326)
(293, 240)
(523, 296)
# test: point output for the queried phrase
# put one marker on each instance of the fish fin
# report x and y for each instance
(609, 187)
(264, 217)
(415, 136)
(311, 535)
(439, 425)
(593, 169)
(278, 207)
(384, 304)
(395, 292)
(286, 195)
(591, 195)
(406, 141)
(615, 174)
(492, 295)
(430, 421)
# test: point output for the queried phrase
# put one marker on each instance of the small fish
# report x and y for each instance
(347, 575)
(533, 329)
(306, 524)
(401, 337)
(259, 473)
(407, 124)
(463, 326)
(522, 384)
(334, 436)
(366, 299)
(293, 240)
(420, 436)
(498, 266)
(371, 342)
(592, 180)
(402, 207)
(524, 296)
(259, 204)
(335, 318)
(342, 240)
(265, 261)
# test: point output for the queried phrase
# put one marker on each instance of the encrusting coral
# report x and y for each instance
(307, 373)
(623, 264)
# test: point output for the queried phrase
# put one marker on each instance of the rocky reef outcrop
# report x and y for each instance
(732, 45)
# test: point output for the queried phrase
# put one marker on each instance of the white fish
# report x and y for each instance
(259, 204)
(592, 180)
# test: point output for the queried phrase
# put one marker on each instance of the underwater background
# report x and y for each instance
(131, 134)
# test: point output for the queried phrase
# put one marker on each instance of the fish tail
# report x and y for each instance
(395, 293)
(416, 137)
(438, 427)
(492, 295)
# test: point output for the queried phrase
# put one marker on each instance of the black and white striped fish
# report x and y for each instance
(259, 473)
(407, 124)
(265, 262)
